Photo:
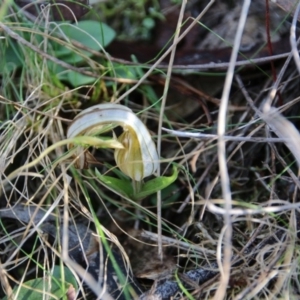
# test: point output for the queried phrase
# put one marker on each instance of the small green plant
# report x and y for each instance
(135, 155)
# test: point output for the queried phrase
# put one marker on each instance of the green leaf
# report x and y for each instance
(156, 184)
(11, 57)
(92, 34)
(77, 79)
(168, 195)
(123, 71)
(122, 186)
(35, 289)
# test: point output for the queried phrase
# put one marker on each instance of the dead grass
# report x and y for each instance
(232, 215)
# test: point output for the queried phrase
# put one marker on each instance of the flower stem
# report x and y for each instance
(136, 188)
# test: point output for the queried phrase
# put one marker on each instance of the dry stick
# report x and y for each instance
(225, 65)
(225, 182)
(207, 136)
(205, 66)
(209, 66)
(293, 38)
(274, 75)
(66, 181)
(161, 117)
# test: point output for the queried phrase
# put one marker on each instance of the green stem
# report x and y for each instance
(137, 185)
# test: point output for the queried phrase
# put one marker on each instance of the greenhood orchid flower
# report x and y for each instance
(135, 151)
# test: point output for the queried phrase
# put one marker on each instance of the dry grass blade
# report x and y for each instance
(226, 222)
(161, 116)
(293, 39)
(284, 129)
(226, 264)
